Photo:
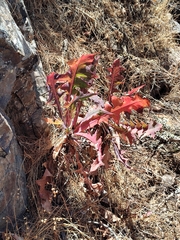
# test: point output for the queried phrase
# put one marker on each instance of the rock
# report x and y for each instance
(174, 56)
(21, 73)
(22, 96)
(15, 52)
(168, 180)
(175, 26)
(13, 193)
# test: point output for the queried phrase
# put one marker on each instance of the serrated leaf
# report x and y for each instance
(52, 80)
(135, 90)
(124, 132)
(119, 154)
(45, 195)
(115, 77)
(92, 118)
(78, 64)
(95, 165)
(126, 104)
(152, 129)
(97, 143)
(97, 100)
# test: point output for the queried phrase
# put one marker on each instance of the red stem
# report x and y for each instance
(78, 108)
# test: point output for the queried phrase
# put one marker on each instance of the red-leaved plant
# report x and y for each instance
(83, 114)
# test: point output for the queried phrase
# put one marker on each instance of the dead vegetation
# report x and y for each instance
(142, 203)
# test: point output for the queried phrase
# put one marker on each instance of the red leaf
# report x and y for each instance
(97, 144)
(119, 154)
(86, 58)
(80, 68)
(135, 90)
(45, 195)
(126, 104)
(97, 100)
(152, 129)
(124, 132)
(107, 156)
(115, 77)
(92, 118)
(76, 64)
(52, 79)
(95, 165)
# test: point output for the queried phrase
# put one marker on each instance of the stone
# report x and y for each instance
(13, 193)
(175, 27)
(14, 52)
(22, 96)
(168, 180)
(22, 79)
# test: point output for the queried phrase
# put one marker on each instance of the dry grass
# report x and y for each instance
(138, 32)
(137, 204)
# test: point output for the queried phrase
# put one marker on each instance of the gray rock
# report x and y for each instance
(22, 79)
(13, 193)
(14, 52)
(22, 95)
(176, 26)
